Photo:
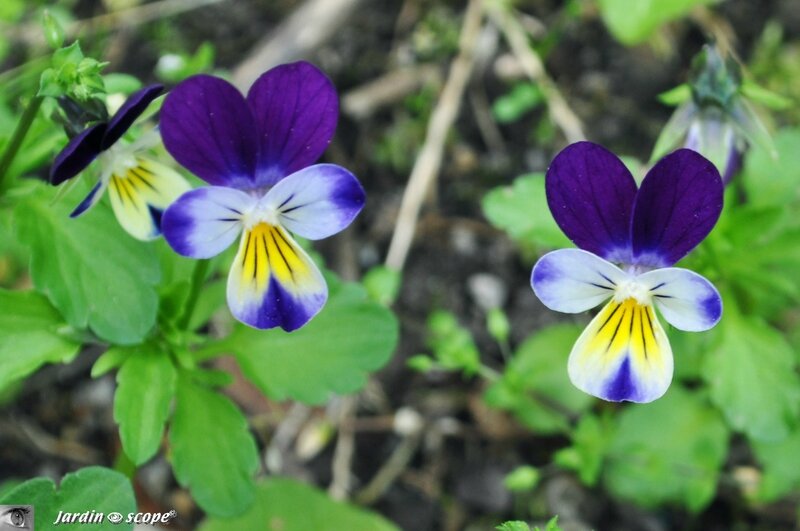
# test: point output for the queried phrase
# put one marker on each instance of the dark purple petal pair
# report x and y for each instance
(285, 124)
(85, 147)
(594, 199)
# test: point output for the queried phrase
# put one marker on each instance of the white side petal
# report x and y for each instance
(204, 222)
(317, 201)
(573, 281)
(687, 301)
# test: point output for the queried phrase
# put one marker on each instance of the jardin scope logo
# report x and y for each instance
(94, 517)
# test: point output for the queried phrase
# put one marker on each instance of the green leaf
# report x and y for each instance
(331, 354)
(765, 97)
(383, 284)
(212, 451)
(521, 210)
(452, 344)
(29, 331)
(751, 373)
(522, 98)
(513, 525)
(288, 505)
(89, 268)
(535, 385)
(145, 388)
(632, 22)
(522, 478)
(590, 441)
(110, 360)
(781, 473)
(117, 82)
(668, 451)
(93, 489)
(676, 95)
(771, 181)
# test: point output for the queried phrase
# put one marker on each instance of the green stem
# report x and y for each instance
(198, 278)
(17, 138)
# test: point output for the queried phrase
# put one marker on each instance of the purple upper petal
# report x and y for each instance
(296, 109)
(129, 112)
(591, 193)
(208, 128)
(78, 153)
(677, 206)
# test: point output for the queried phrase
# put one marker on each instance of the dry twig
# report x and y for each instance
(339, 488)
(305, 30)
(517, 39)
(429, 160)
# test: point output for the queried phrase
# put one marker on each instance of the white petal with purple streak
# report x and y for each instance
(204, 222)
(573, 280)
(315, 202)
(687, 301)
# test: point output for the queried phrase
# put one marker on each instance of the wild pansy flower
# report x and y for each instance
(628, 241)
(140, 188)
(258, 156)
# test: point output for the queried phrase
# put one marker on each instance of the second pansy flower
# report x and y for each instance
(629, 238)
(257, 154)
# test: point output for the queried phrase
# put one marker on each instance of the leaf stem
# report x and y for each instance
(12, 148)
(198, 278)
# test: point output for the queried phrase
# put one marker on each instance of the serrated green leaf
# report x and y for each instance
(29, 336)
(513, 525)
(89, 268)
(535, 385)
(145, 388)
(89, 489)
(331, 354)
(213, 452)
(633, 22)
(667, 451)
(521, 210)
(289, 505)
(781, 475)
(752, 378)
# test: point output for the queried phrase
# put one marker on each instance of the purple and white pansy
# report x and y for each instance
(628, 241)
(140, 188)
(258, 155)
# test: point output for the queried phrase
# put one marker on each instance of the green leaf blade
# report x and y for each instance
(289, 505)
(667, 451)
(89, 489)
(212, 451)
(145, 388)
(752, 377)
(521, 210)
(89, 268)
(29, 336)
(324, 357)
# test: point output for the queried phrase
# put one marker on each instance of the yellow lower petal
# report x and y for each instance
(141, 194)
(623, 354)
